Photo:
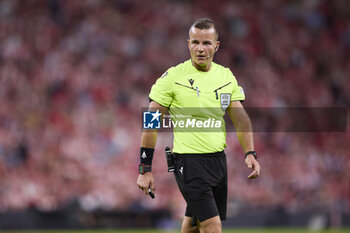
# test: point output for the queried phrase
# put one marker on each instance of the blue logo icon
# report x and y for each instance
(151, 120)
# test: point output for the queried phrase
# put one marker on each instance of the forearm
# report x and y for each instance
(245, 135)
(149, 138)
(242, 125)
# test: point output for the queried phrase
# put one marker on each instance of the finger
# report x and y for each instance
(152, 187)
(249, 163)
(143, 187)
(140, 186)
(258, 170)
(253, 175)
(257, 167)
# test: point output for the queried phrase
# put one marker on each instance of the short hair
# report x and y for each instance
(205, 23)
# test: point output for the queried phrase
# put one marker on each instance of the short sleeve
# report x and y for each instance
(161, 91)
(238, 94)
(237, 91)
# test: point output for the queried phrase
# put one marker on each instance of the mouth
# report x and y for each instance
(201, 57)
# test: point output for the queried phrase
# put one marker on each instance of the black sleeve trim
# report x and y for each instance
(238, 100)
(150, 100)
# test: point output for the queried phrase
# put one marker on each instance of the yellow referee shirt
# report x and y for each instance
(197, 102)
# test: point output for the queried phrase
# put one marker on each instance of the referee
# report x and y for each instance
(200, 170)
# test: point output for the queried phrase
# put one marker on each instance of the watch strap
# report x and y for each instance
(143, 168)
(251, 153)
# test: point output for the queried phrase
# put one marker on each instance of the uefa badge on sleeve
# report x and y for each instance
(225, 99)
(151, 120)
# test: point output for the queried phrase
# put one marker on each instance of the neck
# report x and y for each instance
(205, 68)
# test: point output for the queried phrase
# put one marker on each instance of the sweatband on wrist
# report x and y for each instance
(146, 155)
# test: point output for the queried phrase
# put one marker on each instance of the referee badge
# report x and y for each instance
(225, 99)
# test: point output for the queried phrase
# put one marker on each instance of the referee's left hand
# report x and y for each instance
(253, 164)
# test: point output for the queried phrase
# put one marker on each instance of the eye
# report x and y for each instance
(207, 43)
(195, 42)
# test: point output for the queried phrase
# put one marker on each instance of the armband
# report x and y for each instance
(251, 153)
(146, 155)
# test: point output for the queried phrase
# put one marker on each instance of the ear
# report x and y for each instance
(217, 46)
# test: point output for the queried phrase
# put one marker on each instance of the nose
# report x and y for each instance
(200, 48)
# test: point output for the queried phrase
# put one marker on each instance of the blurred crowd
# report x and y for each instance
(74, 76)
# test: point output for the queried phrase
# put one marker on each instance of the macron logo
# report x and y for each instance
(181, 169)
(144, 155)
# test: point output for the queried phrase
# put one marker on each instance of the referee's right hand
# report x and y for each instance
(146, 181)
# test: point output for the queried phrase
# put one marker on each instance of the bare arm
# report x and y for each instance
(242, 124)
(244, 131)
(148, 140)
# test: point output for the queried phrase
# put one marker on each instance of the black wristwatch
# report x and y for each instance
(251, 153)
(143, 168)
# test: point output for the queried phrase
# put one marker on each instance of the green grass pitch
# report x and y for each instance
(245, 230)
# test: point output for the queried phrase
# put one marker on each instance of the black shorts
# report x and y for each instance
(202, 180)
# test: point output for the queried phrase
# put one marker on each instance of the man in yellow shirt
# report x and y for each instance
(205, 91)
